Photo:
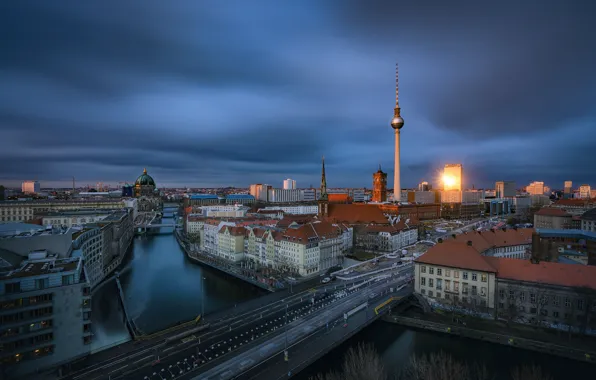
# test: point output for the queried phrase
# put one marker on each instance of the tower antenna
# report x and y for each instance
(396, 86)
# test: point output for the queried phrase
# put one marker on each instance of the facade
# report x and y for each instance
(535, 188)
(453, 175)
(575, 206)
(472, 196)
(585, 192)
(310, 195)
(73, 218)
(231, 243)
(386, 239)
(220, 211)
(240, 199)
(422, 197)
(588, 221)
(451, 196)
(295, 210)
(505, 189)
(554, 295)
(496, 207)
(379, 192)
(547, 244)
(552, 218)
(17, 211)
(521, 205)
(260, 247)
(289, 184)
(285, 196)
(30, 187)
(45, 313)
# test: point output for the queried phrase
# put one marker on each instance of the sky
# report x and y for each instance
(227, 93)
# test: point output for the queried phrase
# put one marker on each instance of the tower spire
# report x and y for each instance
(396, 86)
(323, 181)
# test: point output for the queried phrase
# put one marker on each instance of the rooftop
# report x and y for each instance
(576, 276)
(484, 240)
(28, 232)
(551, 211)
(203, 196)
(571, 233)
(357, 214)
(240, 196)
(589, 215)
(456, 254)
(40, 267)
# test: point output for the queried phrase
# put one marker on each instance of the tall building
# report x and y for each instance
(424, 186)
(585, 191)
(379, 193)
(535, 188)
(46, 312)
(259, 191)
(397, 124)
(289, 184)
(30, 187)
(505, 189)
(568, 187)
(452, 177)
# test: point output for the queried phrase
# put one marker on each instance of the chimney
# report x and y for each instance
(493, 230)
(504, 229)
(439, 240)
(470, 243)
(453, 235)
(515, 228)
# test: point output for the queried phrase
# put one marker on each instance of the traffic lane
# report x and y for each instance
(186, 359)
(209, 352)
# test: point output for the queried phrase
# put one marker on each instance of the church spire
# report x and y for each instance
(323, 181)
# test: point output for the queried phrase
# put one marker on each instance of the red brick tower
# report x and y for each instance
(379, 186)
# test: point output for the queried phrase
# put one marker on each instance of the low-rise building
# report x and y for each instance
(552, 218)
(73, 218)
(575, 206)
(231, 243)
(295, 209)
(200, 199)
(386, 238)
(21, 211)
(588, 221)
(240, 199)
(455, 274)
(547, 244)
(45, 313)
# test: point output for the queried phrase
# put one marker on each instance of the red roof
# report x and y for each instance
(289, 219)
(357, 214)
(456, 255)
(485, 240)
(551, 211)
(311, 232)
(571, 275)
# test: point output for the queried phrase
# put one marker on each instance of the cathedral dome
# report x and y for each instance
(145, 179)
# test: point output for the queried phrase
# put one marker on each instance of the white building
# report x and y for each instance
(210, 241)
(295, 210)
(45, 313)
(289, 184)
(285, 196)
(30, 187)
(222, 211)
(260, 191)
(310, 195)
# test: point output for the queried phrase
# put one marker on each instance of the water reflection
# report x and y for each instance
(162, 288)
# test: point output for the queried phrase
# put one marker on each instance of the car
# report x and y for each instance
(325, 280)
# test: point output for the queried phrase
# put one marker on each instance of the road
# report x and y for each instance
(200, 352)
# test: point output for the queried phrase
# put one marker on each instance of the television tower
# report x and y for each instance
(397, 123)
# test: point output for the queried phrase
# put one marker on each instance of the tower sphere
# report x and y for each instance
(397, 122)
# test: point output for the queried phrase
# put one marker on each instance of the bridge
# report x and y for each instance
(253, 343)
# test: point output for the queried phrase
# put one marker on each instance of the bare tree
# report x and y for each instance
(530, 372)
(589, 300)
(360, 363)
(538, 299)
(442, 366)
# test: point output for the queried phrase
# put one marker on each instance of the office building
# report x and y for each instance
(505, 189)
(535, 188)
(585, 192)
(453, 175)
(451, 196)
(472, 196)
(260, 191)
(45, 312)
(284, 196)
(568, 190)
(289, 184)
(424, 186)
(30, 187)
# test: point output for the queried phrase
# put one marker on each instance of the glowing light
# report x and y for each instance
(448, 180)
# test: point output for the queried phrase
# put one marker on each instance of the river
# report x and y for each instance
(162, 287)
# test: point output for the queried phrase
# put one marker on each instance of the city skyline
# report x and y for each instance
(104, 102)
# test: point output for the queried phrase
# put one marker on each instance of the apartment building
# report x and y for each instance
(552, 218)
(260, 246)
(387, 238)
(45, 313)
(230, 243)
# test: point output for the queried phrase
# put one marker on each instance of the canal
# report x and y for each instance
(162, 288)
(396, 344)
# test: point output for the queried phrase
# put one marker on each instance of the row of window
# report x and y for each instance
(40, 283)
(27, 328)
(455, 298)
(27, 301)
(431, 270)
(37, 313)
(48, 350)
(544, 300)
(449, 286)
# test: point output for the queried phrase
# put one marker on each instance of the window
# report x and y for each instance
(465, 275)
(474, 277)
(501, 305)
(483, 291)
(501, 293)
(423, 269)
(567, 302)
(456, 286)
(68, 280)
(556, 300)
(41, 283)
(522, 296)
(533, 310)
(423, 281)
(464, 289)
(439, 284)
(456, 273)
(447, 284)
(533, 297)
(446, 296)
(474, 290)
(511, 295)
(12, 287)
(439, 272)
(447, 273)
(423, 291)
(556, 314)
(483, 277)
(438, 294)
(431, 270)
(464, 299)
(430, 293)
(580, 304)
(431, 282)
(544, 312)
(543, 300)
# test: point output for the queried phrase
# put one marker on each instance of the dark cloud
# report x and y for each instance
(218, 93)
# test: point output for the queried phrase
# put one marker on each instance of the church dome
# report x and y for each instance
(145, 179)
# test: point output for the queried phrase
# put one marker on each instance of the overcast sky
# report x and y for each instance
(210, 93)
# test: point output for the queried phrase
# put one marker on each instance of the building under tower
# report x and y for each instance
(379, 193)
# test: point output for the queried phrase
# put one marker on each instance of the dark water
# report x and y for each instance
(162, 287)
(396, 344)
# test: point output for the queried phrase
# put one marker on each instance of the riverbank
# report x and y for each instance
(519, 336)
